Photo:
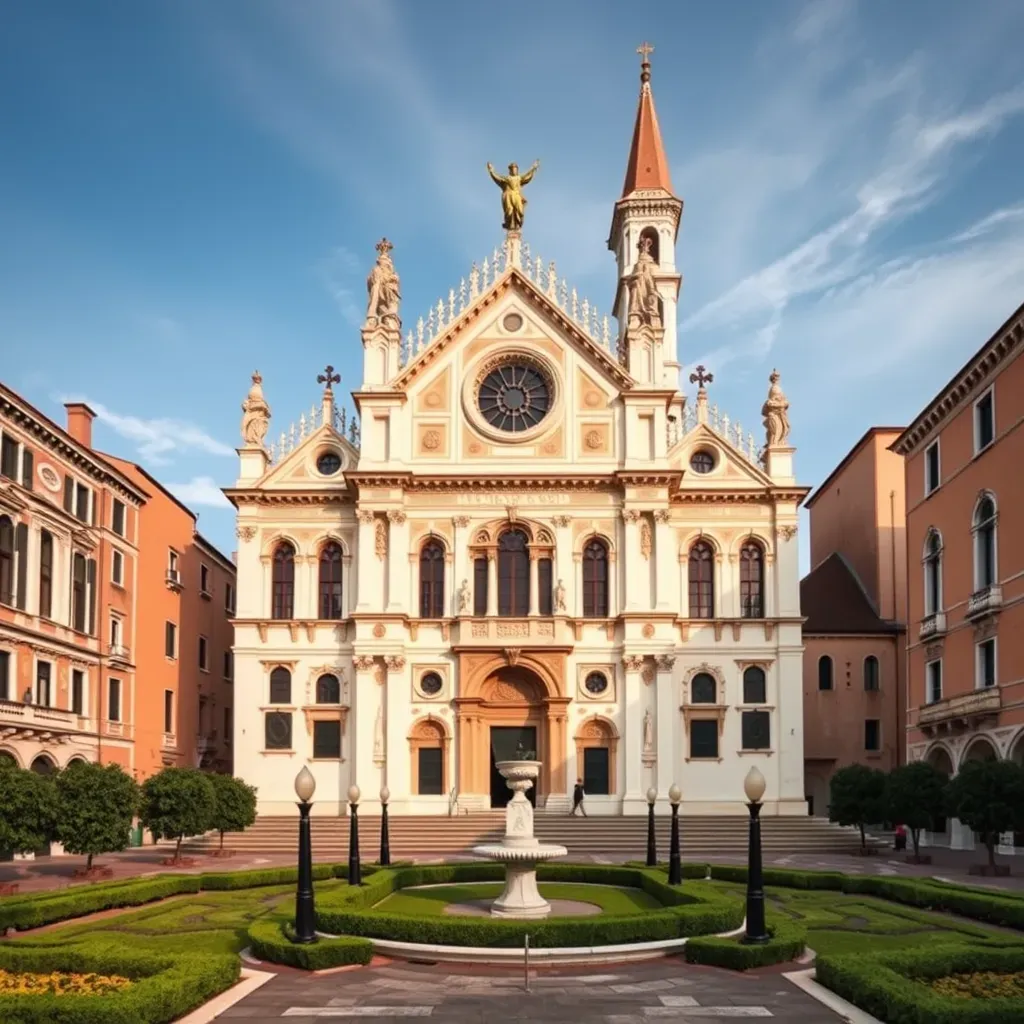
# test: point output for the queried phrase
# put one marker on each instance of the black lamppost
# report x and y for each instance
(652, 846)
(757, 932)
(355, 872)
(385, 841)
(675, 867)
(305, 923)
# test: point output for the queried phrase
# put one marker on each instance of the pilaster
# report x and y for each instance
(364, 771)
(398, 563)
(634, 800)
(366, 576)
(634, 578)
(397, 771)
(492, 584)
(461, 566)
(668, 714)
(534, 605)
(664, 568)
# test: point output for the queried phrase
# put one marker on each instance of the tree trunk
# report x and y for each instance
(88, 862)
(222, 841)
(915, 838)
(863, 838)
(177, 850)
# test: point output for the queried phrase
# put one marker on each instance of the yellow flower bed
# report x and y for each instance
(983, 985)
(58, 984)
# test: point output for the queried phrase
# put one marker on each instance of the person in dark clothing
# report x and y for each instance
(577, 798)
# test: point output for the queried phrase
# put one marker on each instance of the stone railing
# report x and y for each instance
(345, 423)
(729, 430)
(963, 708)
(932, 625)
(37, 718)
(985, 600)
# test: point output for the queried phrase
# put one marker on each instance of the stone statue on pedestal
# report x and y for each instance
(382, 286)
(255, 414)
(465, 596)
(776, 413)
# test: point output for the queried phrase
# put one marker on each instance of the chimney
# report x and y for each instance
(80, 418)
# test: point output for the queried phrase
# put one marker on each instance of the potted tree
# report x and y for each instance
(988, 797)
(916, 797)
(178, 802)
(857, 797)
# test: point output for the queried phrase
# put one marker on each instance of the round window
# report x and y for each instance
(328, 464)
(431, 684)
(514, 396)
(596, 683)
(512, 322)
(702, 461)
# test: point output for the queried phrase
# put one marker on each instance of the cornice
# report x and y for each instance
(256, 496)
(747, 497)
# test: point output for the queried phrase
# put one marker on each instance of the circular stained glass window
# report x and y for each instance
(329, 463)
(430, 684)
(596, 683)
(702, 462)
(514, 397)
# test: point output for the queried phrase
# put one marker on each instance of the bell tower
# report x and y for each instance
(646, 221)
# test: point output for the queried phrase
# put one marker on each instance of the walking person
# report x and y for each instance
(577, 798)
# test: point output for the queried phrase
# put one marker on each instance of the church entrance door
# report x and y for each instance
(511, 743)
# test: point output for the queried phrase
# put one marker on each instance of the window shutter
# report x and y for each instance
(26, 469)
(90, 578)
(69, 494)
(21, 547)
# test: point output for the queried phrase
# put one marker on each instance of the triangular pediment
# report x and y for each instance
(298, 469)
(732, 468)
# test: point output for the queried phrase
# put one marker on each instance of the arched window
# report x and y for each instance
(703, 689)
(595, 580)
(45, 574)
(752, 581)
(513, 574)
(328, 689)
(702, 581)
(985, 544)
(755, 688)
(432, 580)
(280, 686)
(870, 672)
(6, 561)
(283, 592)
(933, 573)
(330, 582)
(824, 672)
(79, 593)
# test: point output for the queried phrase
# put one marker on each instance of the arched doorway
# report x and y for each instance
(43, 765)
(980, 749)
(939, 758)
(509, 712)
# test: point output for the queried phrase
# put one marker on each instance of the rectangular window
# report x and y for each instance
(229, 665)
(479, 587)
(77, 691)
(117, 517)
(69, 494)
(172, 566)
(115, 632)
(229, 598)
(327, 739)
(117, 568)
(931, 468)
(984, 422)
(44, 672)
(82, 503)
(170, 640)
(5, 676)
(204, 580)
(756, 730)
(986, 668)
(430, 781)
(545, 597)
(21, 553)
(90, 581)
(596, 771)
(9, 457)
(168, 711)
(114, 700)
(277, 730)
(872, 734)
(703, 738)
(933, 681)
(27, 466)
(203, 661)
(45, 573)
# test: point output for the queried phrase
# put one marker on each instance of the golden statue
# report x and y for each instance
(513, 202)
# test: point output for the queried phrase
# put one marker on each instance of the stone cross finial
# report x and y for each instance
(700, 377)
(645, 50)
(328, 377)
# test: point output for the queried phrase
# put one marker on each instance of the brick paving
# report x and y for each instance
(663, 990)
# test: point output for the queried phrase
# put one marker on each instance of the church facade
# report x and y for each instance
(533, 545)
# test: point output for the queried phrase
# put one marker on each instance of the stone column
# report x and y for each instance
(730, 570)
(398, 572)
(634, 578)
(492, 584)
(367, 581)
(634, 801)
(397, 767)
(668, 714)
(367, 697)
(534, 604)
(663, 562)
(614, 598)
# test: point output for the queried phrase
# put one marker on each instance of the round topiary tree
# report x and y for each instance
(178, 802)
(857, 797)
(95, 807)
(28, 809)
(916, 796)
(988, 797)
(234, 805)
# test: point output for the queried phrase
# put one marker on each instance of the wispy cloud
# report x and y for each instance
(156, 439)
(342, 272)
(200, 490)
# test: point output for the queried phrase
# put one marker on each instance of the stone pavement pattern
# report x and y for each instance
(665, 990)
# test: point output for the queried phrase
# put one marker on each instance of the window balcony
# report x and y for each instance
(932, 625)
(984, 602)
(206, 743)
(173, 580)
(170, 741)
(118, 653)
(960, 712)
(34, 720)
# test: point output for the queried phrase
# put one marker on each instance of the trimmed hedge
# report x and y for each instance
(220, 881)
(273, 940)
(788, 941)
(342, 912)
(164, 988)
(895, 987)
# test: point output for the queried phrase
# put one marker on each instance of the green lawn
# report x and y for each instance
(431, 901)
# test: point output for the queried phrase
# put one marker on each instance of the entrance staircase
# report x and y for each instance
(614, 839)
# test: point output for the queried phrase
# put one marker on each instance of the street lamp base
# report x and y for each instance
(755, 940)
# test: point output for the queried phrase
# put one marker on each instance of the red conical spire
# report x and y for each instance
(647, 167)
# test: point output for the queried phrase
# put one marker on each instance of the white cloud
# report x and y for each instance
(156, 438)
(200, 490)
(342, 272)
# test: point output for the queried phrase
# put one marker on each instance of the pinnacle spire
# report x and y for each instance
(647, 167)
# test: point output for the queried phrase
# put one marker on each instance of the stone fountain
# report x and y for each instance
(519, 851)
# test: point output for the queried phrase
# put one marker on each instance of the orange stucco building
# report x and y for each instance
(853, 601)
(965, 555)
(96, 558)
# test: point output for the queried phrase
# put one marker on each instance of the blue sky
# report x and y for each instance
(192, 189)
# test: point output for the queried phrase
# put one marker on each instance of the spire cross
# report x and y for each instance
(701, 377)
(329, 377)
(645, 50)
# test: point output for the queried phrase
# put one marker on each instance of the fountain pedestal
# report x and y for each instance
(519, 851)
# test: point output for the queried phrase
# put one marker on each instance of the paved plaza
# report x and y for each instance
(664, 990)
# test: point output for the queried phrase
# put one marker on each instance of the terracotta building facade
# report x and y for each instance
(965, 557)
(854, 602)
